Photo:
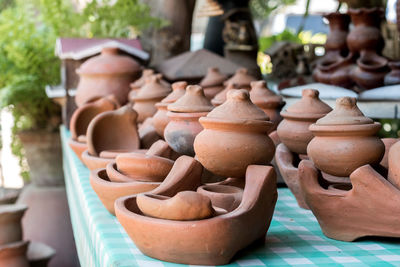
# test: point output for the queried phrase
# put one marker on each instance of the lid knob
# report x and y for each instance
(181, 85)
(310, 93)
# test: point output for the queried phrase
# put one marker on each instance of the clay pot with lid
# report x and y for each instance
(105, 74)
(344, 140)
(136, 85)
(14, 254)
(184, 116)
(213, 82)
(148, 95)
(268, 101)
(160, 119)
(235, 136)
(241, 78)
(293, 130)
(393, 77)
(220, 98)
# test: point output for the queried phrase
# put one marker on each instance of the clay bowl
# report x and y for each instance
(10, 223)
(93, 162)
(226, 197)
(212, 241)
(39, 254)
(77, 147)
(14, 254)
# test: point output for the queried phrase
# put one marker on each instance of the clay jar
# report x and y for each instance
(213, 82)
(220, 98)
(184, 117)
(160, 119)
(393, 77)
(344, 140)
(108, 73)
(293, 130)
(10, 223)
(338, 31)
(366, 34)
(268, 101)
(148, 95)
(14, 254)
(241, 78)
(235, 135)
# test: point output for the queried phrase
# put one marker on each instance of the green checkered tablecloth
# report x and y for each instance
(294, 237)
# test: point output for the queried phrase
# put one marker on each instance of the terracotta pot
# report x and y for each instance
(344, 140)
(160, 119)
(77, 147)
(366, 34)
(338, 31)
(94, 162)
(370, 71)
(184, 175)
(136, 85)
(39, 254)
(213, 82)
(226, 197)
(268, 101)
(293, 130)
(202, 245)
(113, 131)
(109, 73)
(234, 130)
(10, 223)
(220, 98)
(147, 134)
(184, 116)
(242, 79)
(14, 254)
(393, 77)
(148, 95)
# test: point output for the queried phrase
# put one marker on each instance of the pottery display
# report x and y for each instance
(369, 208)
(213, 82)
(81, 118)
(235, 130)
(393, 77)
(220, 98)
(10, 223)
(39, 254)
(241, 78)
(160, 118)
(209, 241)
(148, 95)
(184, 175)
(14, 254)
(105, 74)
(293, 130)
(184, 116)
(345, 140)
(268, 101)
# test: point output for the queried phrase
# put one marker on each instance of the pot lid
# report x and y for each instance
(308, 106)
(192, 101)
(178, 90)
(221, 96)
(242, 78)
(238, 106)
(262, 96)
(109, 62)
(213, 78)
(346, 112)
(142, 80)
(153, 88)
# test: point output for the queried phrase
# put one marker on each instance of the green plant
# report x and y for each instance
(263, 8)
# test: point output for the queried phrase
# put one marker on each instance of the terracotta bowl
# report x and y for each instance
(93, 162)
(226, 197)
(77, 147)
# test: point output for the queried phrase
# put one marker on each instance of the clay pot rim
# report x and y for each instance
(394, 65)
(209, 189)
(13, 209)
(357, 11)
(302, 116)
(112, 167)
(186, 115)
(273, 103)
(345, 130)
(14, 245)
(97, 178)
(378, 62)
(336, 14)
(77, 143)
(239, 124)
(89, 156)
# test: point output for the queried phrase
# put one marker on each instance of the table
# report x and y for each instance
(294, 237)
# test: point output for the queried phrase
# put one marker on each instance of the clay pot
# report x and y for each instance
(148, 95)
(184, 175)
(184, 116)
(109, 73)
(366, 34)
(370, 71)
(268, 101)
(293, 130)
(220, 98)
(94, 162)
(202, 245)
(113, 131)
(160, 119)
(10, 223)
(388, 142)
(136, 85)
(213, 82)
(344, 140)
(338, 31)
(242, 79)
(393, 77)
(226, 197)
(39, 254)
(14, 254)
(147, 134)
(234, 130)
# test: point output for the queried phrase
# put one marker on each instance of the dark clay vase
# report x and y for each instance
(213, 82)
(108, 73)
(211, 241)
(393, 77)
(338, 31)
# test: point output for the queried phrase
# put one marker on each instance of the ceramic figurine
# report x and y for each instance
(106, 74)
(213, 82)
(237, 129)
